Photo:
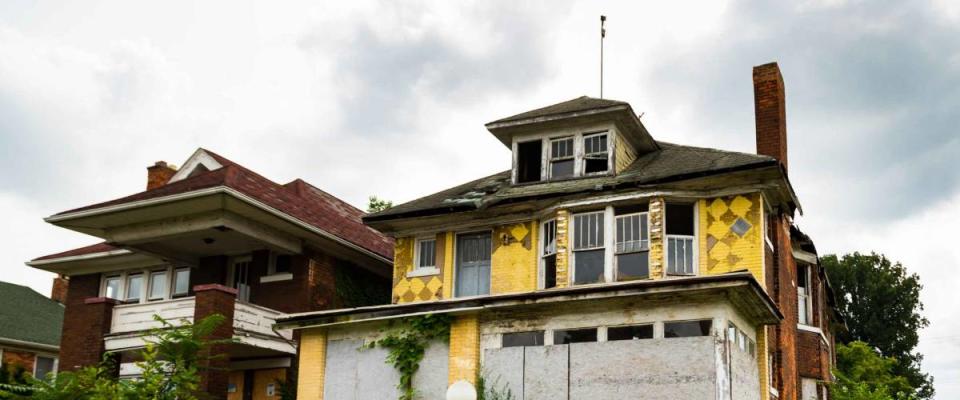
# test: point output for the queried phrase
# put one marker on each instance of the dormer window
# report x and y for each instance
(595, 159)
(561, 158)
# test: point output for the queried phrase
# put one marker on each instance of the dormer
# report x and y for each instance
(580, 138)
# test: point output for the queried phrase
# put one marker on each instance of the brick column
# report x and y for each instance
(464, 361)
(563, 256)
(215, 299)
(86, 319)
(657, 270)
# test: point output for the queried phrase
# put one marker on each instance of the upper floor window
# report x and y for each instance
(595, 159)
(561, 158)
(152, 284)
(529, 161)
(804, 298)
(632, 246)
(588, 247)
(681, 239)
(549, 253)
(426, 254)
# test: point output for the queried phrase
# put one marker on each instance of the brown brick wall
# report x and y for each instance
(59, 291)
(159, 174)
(812, 356)
(215, 299)
(14, 358)
(769, 98)
(288, 296)
(86, 319)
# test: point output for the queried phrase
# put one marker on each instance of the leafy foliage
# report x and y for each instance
(12, 373)
(407, 340)
(354, 290)
(880, 302)
(495, 391)
(863, 374)
(377, 204)
(169, 370)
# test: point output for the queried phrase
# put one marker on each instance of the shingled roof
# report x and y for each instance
(672, 162)
(29, 316)
(582, 103)
(298, 199)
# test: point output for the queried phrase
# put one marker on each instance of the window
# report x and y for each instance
(158, 285)
(686, 328)
(529, 157)
(632, 247)
(111, 287)
(181, 281)
(680, 239)
(575, 336)
(426, 253)
(561, 158)
(44, 366)
(549, 254)
(282, 264)
(518, 339)
(595, 153)
(134, 287)
(804, 303)
(635, 332)
(588, 247)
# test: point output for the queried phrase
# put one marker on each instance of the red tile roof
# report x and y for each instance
(298, 199)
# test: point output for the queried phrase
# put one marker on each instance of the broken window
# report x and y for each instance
(529, 157)
(595, 153)
(804, 303)
(635, 332)
(426, 253)
(549, 254)
(575, 336)
(680, 239)
(632, 246)
(680, 329)
(588, 251)
(518, 339)
(561, 158)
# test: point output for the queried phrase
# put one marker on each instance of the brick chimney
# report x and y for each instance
(60, 285)
(159, 174)
(770, 111)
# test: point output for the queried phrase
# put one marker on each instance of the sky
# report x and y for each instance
(389, 99)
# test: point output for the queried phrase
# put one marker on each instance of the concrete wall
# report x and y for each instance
(744, 375)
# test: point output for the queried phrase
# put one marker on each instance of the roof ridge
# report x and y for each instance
(712, 149)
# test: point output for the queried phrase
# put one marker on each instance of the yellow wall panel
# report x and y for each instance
(724, 250)
(313, 361)
(464, 361)
(513, 266)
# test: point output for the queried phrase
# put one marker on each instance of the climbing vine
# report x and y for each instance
(406, 341)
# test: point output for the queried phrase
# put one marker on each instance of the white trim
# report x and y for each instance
(805, 256)
(277, 277)
(82, 257)
(811, 328)
(541, 265)
(416, 254)
(423, 271)
(571, 241)
(53, 368)
(639, 214)
(695, 244)
(198, 158)
(609, 243)
(28, 345)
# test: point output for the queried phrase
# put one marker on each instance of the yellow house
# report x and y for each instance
(602, 265)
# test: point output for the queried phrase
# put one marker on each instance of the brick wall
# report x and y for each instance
(159, 174)
(85, 320)
(59, 291)
(769, 98)
(18, 358)
(312, 364)
(464, 349)
(812, 356)
(215, 299)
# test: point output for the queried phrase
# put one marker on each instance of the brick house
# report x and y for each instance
(30, 325)
(214, 237)
(603, 265)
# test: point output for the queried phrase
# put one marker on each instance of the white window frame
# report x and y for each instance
(805, 298)
(121, 279)
(571, 157)
(36, 359)
(144, 277)
(272, 274)
(173, 281)
(639, 215)
(417, 270)
(147, 275)
(578, 156)
(583, 156)
(166, 291)
(694, 242)
(607, 247)
(541, 264)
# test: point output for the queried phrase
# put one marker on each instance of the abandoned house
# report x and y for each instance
(603, 265)
(214, 237)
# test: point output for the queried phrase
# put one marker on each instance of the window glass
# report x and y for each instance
(686, 328)
(181, 281)
(630, 332)
(549, 254)
(680, 239)
(561, 158)
(426, 258)
(43, 367)
(158, 285)
(282, 264)
(595, 153)
(112, 287)
(632, 247)
(134, 286)
(575, 336)
(588, 247)
(517, 339)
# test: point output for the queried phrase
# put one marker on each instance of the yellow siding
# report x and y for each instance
(264, 377)
(721, 249)
(563, 256)
(422, 288)
(464, 358)
(313, 360)
(762, 352)
(513, 266)
(624, 155)
(448, 265)
(656, 238)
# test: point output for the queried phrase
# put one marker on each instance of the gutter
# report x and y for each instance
(213, 191)
(27, 344)
(81, 257)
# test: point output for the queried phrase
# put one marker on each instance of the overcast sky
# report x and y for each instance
(390, 99)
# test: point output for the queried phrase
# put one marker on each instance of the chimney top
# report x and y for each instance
(769, 100)
(159, 174)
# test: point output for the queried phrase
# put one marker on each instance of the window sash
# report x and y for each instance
(426, 253)
(549, 238)
(633, 234)
(181, 287)
(111, 287)
(680, 254)
(588, 231)
(134, 290)
(159, 285)
(561, 149)
(596, 145)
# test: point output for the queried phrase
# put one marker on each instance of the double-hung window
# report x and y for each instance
(681, 239)
(588, 247)
(561, 158)
(425, 258)
(632, 246)
(804, 303)
(595, 159)
(549, 254)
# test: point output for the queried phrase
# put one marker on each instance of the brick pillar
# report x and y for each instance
(59, 292)
(215, 299)
(86, 319)
(312, 364)
(464, 361)
(770, 111)
(657, 269)
(563, 256)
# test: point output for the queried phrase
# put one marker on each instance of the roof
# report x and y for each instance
(582, 103)
(80, 251)
(672, 162)
(29, 316)
(297, 198)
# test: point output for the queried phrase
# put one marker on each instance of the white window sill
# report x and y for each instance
(816, 330)
(426, 271)
(286, 276)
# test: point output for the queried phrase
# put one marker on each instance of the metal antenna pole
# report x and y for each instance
(603, 34)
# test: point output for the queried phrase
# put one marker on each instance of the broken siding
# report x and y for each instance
(514, 264)
(624, 155)
(722, 248)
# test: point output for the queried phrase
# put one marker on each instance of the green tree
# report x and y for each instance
(880, 303)
(170, 369)
(377, 204)
(863, 374)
